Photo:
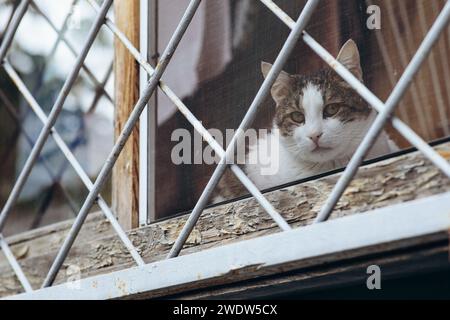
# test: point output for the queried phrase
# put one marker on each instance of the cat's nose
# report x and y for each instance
(315, 137)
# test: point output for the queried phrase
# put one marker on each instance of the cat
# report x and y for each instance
(319, 122)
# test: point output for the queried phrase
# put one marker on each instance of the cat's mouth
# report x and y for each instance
(320, 149)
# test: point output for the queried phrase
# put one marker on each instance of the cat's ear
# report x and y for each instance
(282, 85)
(349, 58)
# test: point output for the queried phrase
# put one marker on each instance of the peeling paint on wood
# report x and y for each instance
(382, 184)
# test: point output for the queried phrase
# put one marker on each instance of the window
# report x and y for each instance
(344, 66)
(217, 73)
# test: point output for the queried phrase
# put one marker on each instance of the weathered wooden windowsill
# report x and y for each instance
(99, 251)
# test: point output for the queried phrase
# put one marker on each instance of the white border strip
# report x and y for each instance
(143, 122)
(404, 221)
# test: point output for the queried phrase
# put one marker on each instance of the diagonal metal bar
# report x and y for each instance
(436, 82)
(124, 40)
(417, 92)
(375, 102)
(12, 111)
(56, 109)
(12, 28)
(60, 34)
(198, 126)
(364, 92)
(71, 47)
(15, 265)
(14, 5)
(37, 109)
(245, 180)
(65, 25)
(388, 61)
(262, 94)
(379, 123)
(125, 134)
(443, 53)
(100, 89)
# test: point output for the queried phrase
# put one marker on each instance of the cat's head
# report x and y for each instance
(320, 117)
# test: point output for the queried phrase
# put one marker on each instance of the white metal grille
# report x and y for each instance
(385, 111)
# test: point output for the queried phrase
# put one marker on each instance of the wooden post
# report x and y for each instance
(125, 181)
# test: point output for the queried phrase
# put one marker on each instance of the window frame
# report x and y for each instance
(384, 113)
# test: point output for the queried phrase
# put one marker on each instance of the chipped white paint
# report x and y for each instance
(407, 221)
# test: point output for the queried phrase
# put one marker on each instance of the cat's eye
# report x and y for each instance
(331, 110)
(298, 117)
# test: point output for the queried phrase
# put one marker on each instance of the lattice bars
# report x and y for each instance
(298, 32)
